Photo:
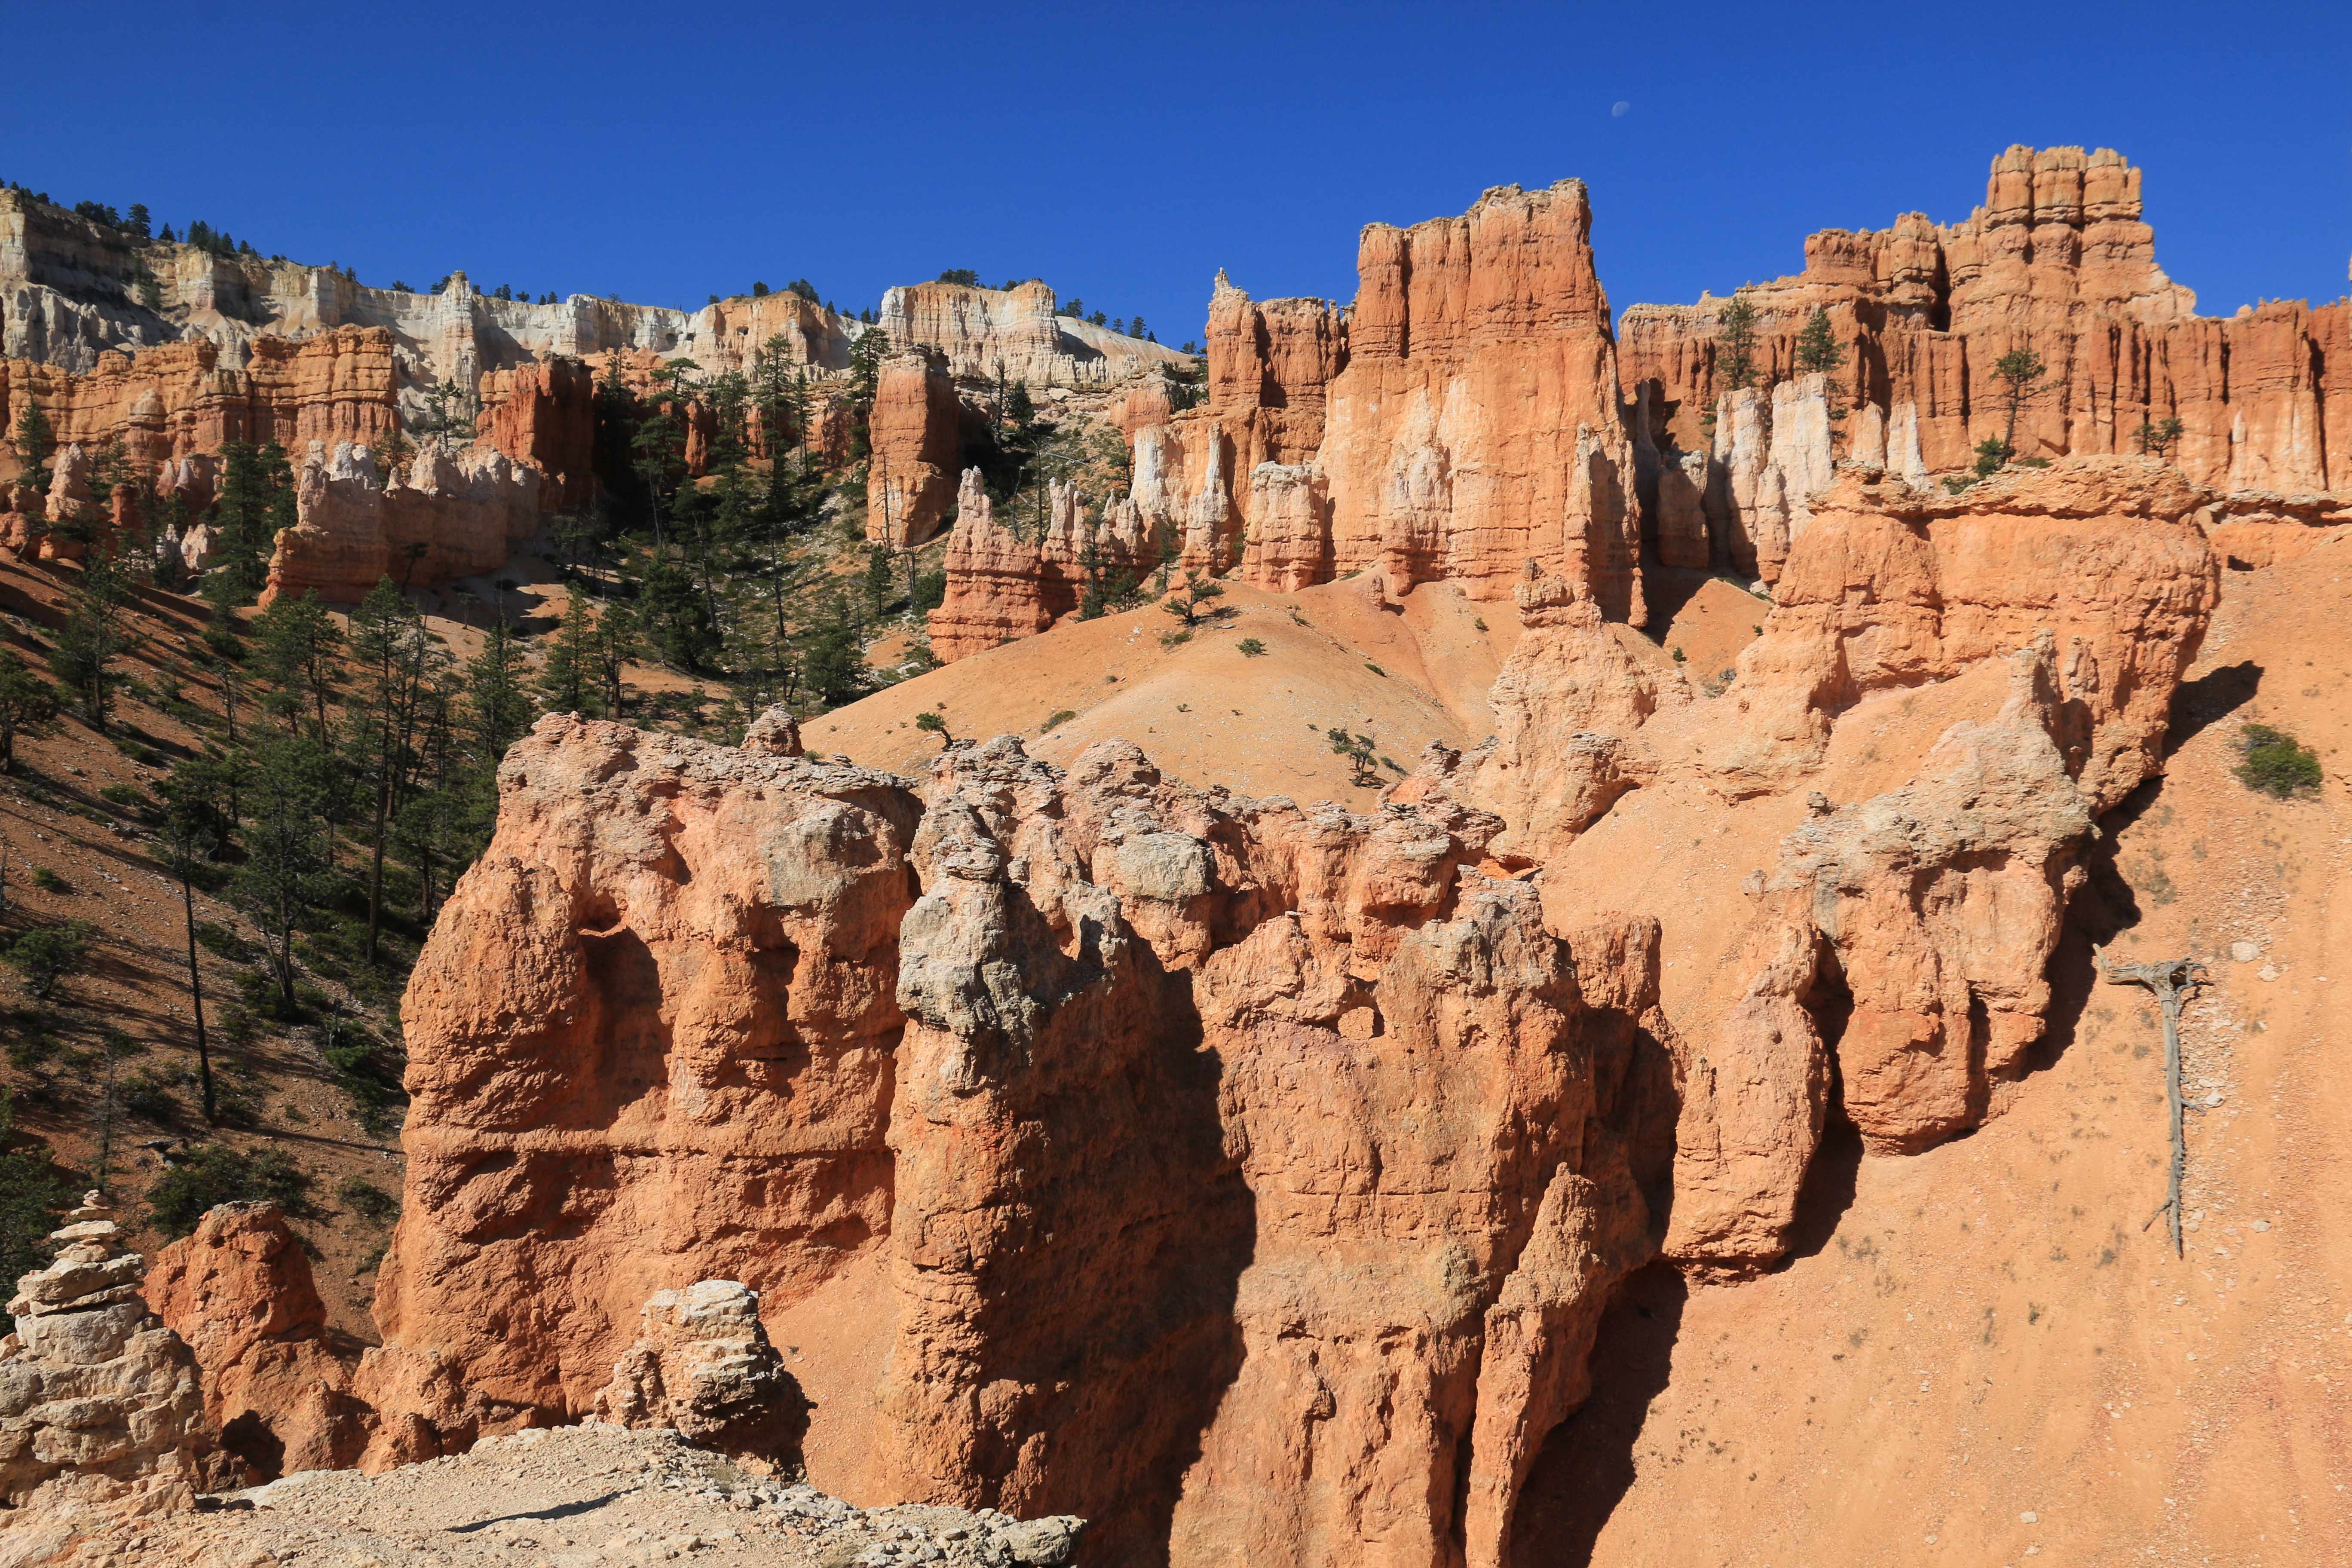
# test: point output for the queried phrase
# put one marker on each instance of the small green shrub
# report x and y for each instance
(47, 954)
(366, 1072)
(32, 1049)
(1252, 647)
(220, 939)
(48, 881)
(130, 797)
(1057, 720)
(368, 1201)
(147, 1094)
(212, 1175)
(1376, 669)
(2276, 763)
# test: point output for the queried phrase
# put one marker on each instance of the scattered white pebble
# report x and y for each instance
(2029, 1517)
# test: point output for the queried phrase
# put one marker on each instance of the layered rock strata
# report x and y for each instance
(916, 436)
(72, 290)
(702, 1367)
(1459, 420)
(175, 402)
(656, 1058)
(544, 414)
(99, 1403)
(1018, 334)
(453, 515)
(1895, 587)
(1897, 947)
(2057, 261)
(1003, 583)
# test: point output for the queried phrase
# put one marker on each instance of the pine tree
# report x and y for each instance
(26, 703)
(194, 827)
(392, 658)
(566, 681)
(33, 441)
(614, 642)
(97, 631)
(2018, 369)
(256, 502)
(289, 800)
(499, 707)
(2157, 436)
(1818, 350)
(1734, 338)
(834, 667)
(294, 650)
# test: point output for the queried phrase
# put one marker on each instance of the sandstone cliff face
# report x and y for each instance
(1569, 706)
(991, 334)
(916, 435)
(1896, 947)
(1909, 935)
(645, 1058)
(1894, 587)
(1002, 586)
(276, 1386)
(545, 414)
(72, 290)
(1477, 426)
(2057, 260)
(1081, 1087)
(456, 513)
(1461, 420)
(182, 399)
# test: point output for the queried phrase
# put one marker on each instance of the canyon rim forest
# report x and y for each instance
(1028, 914)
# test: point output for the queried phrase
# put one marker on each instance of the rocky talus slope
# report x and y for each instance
(581, 1497)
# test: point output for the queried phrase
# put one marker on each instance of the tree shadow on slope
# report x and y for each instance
(1586, 1466)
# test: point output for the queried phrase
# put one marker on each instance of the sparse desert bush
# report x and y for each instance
(212, 1174)
(47, 954)
(367, 1200)
(2276, 763)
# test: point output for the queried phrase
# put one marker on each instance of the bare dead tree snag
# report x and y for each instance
(2170, 979)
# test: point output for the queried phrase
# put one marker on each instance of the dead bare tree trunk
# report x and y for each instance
(2169, 979)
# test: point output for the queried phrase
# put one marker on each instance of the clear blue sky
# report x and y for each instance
(1125, 152)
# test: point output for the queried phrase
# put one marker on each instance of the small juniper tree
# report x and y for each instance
(1190, 603)
(1362, 754)
(2157, 436)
